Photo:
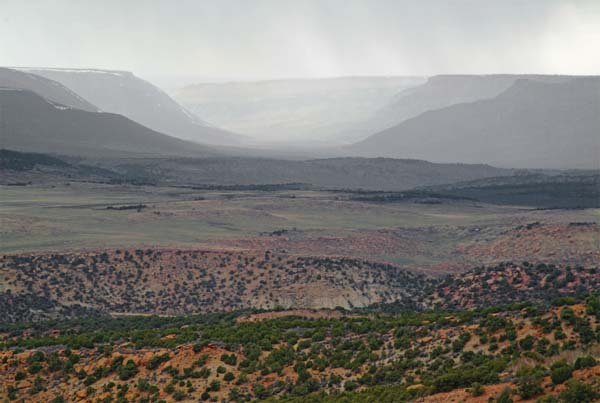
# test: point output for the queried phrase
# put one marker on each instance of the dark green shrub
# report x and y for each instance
(127, 371)
(529, 381)
(586, 361)
(476, 389)
(579, 392)
(561, 372)
(156, 360)
(505, 396)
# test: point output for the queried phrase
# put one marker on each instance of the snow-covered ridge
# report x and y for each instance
(56, 105)
(119, 73)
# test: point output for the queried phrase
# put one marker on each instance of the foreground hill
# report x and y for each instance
(531, 124)
(440, 92)
(123, 93)
(300, 110)
(51, 90)
(31, 123)
(520, 351)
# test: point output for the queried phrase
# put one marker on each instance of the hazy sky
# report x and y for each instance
(246, 39)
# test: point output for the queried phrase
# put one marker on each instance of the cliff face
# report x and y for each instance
(322, 295)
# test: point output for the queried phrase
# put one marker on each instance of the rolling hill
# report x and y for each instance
(530, 125)
(123, 93)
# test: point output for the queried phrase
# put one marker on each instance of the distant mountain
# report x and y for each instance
(52, 90)
(532, 124)
(294, 110)
(29, 122)
(123, 93)
(439, 92)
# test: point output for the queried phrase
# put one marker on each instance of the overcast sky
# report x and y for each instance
(253, 39)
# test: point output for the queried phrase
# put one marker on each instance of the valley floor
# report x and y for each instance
(435, 238)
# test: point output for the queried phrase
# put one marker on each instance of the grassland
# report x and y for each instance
(74, 215)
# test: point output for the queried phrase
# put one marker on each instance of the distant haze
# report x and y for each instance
(177, 43)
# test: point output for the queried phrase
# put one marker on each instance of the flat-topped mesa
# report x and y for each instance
(123, 93)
